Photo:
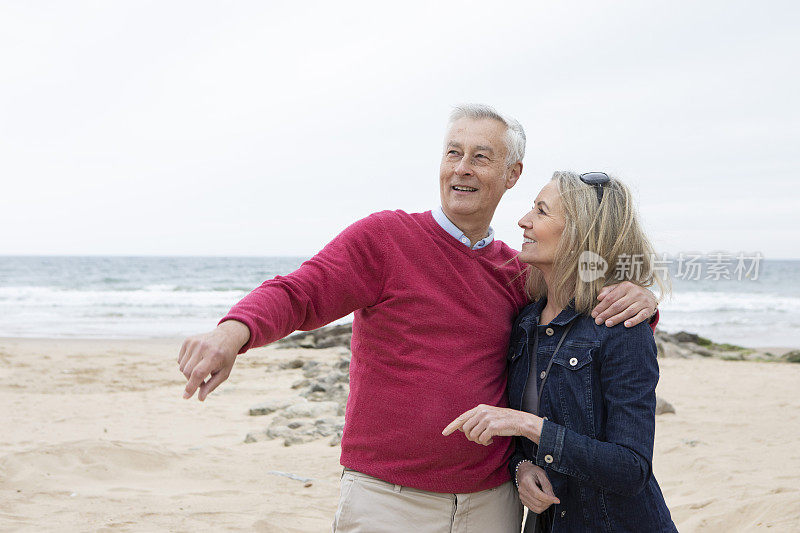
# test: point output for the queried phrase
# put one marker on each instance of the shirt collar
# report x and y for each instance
(452, 229)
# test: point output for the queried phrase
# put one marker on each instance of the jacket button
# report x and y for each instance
(573, 361)
(543, 374)
(563, 514)
(549, 331)
(548, 458)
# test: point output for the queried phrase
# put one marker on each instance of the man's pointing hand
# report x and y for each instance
(211, 354)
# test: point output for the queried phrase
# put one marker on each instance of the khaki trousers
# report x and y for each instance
(370, 505)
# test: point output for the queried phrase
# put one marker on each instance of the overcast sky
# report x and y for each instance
(260, 128)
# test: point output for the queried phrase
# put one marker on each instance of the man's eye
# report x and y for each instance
(481, 155)
(452, 152)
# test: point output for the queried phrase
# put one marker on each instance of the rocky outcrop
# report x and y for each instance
(318, 412)
(791, 357)
(682, 344)
(686, 345)
(663, 406)
(325, 337)
(269, 407)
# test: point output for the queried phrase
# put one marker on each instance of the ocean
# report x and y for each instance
(134, 297)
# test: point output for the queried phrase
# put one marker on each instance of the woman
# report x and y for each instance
(582, 395)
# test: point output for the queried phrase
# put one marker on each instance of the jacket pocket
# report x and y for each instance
(574, 356)
(573, 374)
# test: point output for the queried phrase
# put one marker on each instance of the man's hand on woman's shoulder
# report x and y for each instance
(624, 301)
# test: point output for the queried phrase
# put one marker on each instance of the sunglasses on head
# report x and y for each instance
(596, 179)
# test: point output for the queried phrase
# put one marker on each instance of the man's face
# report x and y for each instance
(473, 175)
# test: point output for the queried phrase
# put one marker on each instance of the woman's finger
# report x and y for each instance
(544, 483)
(534, 504)
(458, 422)
(485, 437)
(542, 499)
(452, 426)
(477, 430)
(543, 495)
(469, 424)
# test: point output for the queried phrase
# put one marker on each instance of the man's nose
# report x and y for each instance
(463, 168)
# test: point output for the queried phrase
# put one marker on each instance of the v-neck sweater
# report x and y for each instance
(430, 336)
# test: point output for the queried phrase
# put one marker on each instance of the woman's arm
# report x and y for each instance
(622, 461)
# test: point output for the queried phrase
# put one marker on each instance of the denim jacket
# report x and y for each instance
(598, 406)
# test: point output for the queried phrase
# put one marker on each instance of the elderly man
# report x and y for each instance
(434, 296)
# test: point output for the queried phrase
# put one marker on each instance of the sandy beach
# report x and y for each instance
(96, 437)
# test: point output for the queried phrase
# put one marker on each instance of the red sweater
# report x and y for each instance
(430, 336)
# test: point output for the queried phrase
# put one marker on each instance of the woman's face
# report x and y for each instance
(542, 227)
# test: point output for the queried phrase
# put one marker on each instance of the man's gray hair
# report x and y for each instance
(515, 135)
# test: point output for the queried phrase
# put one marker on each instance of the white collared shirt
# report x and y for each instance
(452, 229)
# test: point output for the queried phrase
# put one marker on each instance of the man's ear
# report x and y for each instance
(513, 174)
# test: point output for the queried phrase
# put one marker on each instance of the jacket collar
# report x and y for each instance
(564, 317)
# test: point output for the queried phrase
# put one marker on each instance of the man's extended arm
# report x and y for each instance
(344, 276)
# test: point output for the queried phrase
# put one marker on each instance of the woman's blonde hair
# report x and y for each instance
(611, 230)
